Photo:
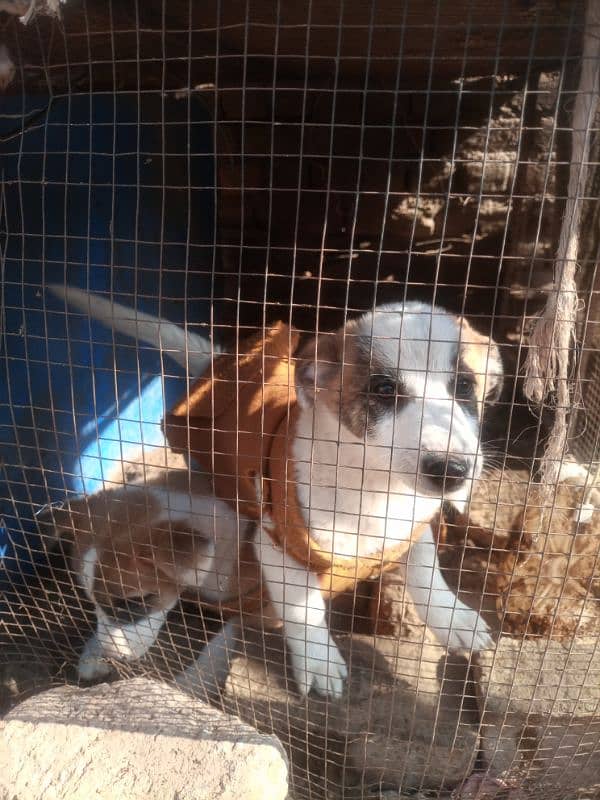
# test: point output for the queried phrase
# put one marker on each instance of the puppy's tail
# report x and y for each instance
(190, 350)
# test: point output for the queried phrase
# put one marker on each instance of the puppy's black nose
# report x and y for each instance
(446, 474)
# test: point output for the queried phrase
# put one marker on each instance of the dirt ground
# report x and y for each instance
(414, 716)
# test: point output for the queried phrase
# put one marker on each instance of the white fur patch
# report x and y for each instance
(294, 591)
(455, 624)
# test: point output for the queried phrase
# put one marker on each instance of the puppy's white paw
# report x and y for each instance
(92, 662)
(460, 628)
(128, 642)
(470, 632)
(318, 664)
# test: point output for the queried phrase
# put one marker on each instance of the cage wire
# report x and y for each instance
(195, 197)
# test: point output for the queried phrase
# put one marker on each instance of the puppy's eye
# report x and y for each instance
(381, 386)
(464, 387)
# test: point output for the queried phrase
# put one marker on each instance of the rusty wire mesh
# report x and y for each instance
(228, 166)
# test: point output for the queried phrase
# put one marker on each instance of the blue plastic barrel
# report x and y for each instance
(112, 193)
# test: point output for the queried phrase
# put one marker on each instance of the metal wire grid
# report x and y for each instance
(259, 274)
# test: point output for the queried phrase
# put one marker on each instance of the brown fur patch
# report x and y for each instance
(139, 549)
(481, 356)
(339, 375)
(345, 363)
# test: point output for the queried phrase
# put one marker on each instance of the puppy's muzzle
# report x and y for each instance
(445, 473)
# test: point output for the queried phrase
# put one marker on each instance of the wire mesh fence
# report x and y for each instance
(269, 276)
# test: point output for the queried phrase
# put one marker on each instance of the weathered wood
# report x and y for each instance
(181, 43)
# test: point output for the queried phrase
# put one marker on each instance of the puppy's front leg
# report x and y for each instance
(294, 591)
(454, 623)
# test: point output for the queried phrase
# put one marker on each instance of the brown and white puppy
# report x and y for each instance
(137, 547)
(388, 426)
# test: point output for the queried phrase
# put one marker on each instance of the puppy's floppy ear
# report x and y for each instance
(482, 355)
(317, 367)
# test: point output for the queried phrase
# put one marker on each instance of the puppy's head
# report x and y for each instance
(409, 382)
(137, 537)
